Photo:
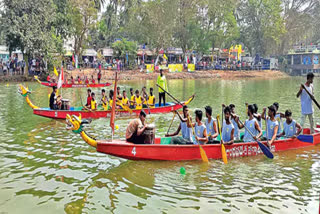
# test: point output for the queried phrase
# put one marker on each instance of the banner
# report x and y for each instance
(191, 67)
(150, 68)
(172, 68)
(179, 67)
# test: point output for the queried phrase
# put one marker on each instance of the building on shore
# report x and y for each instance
(303, 59)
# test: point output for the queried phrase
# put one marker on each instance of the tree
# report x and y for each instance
(123, 48)
(27, 25)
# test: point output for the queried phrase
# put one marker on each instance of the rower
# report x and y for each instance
(251, 124)
(138, 100)
(110, 98)
(186, 132)
(48, 78)
(79, 80)
(92, 79)
(55, 102)
(257, 115)
(145, 96)
(151, 99)
(272, 123)
(227, 128)
(88, 105)
(306, 102)
(104, 100)
(278, 117)
(86, 80)
(93, 102)
(135, 129)
(236, 128)
(72, 80)
(290, 127)
(119, 97)
(132, 99)
(125, 100)
(211, 125)
(200, 129)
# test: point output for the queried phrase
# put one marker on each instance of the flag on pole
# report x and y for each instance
(55, 71)
(164, 56)
(114, 100)
(61, 78)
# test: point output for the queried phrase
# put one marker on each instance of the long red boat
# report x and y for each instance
(161, 150)
(69, 85)
(62, 114)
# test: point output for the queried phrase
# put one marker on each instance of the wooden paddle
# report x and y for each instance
(223, 149)
(174, 114)
(311, 96)
(263, 148)
(203, 154)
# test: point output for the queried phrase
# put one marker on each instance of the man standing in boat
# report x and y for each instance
(162, 82)
(135, 129)
(183, 127)
(306, 102)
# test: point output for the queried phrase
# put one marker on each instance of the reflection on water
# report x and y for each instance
(45, 168)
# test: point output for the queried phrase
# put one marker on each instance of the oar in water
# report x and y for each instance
(263, 148)
(223, 149)
(203, 154)
(311, 96)
(174, 114)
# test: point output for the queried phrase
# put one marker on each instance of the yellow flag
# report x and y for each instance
(164, 56)
(55, 71)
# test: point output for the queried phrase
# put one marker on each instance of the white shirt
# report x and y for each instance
(306, 101)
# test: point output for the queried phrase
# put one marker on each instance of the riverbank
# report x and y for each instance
(209, 74)
(137, 75)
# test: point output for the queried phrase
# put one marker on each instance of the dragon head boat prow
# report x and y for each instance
(75, 124)
(24, 91)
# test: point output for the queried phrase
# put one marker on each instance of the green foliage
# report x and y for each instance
(123, 47)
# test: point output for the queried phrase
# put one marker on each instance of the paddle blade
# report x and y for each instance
(224, 154)
(203, 155)
(265, 150)
(190, 99)
(305, 138)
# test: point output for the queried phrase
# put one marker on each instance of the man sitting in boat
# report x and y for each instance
(199, 128)
(119, 97)
(186, 132)
(132, 99)
(104, 100)
(272, 124)
(227, 128)
(124, 100)
(211, 125)
(138, 100)
(88, 105)
(251, 124)
(235, 125)
(290, 127)
(93, 104)
(72, 80)
(151, 99)
(79, 80)
(135, 129)
(257, 115)
(92, 80)
(48, 78)
(55, 102)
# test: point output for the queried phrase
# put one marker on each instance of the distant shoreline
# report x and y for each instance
(137, 75)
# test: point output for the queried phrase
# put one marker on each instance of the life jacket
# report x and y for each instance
(105, 106)
(93, 104)
(139, 102)
(145, 99)
(150, 101)
(124, 100)
(110, 103)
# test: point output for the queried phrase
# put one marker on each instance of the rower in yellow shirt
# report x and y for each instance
(124, 100)
(93, 102)
(104, 100)
(138, 100)
(132, 99)
(151, 99)
(110, 98)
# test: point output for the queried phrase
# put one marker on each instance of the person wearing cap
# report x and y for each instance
(306, 102)
(290, 127)
(162, 81)
(251, 124)
(135, 129)
(54, 102)
(186, 131)
(272, 123)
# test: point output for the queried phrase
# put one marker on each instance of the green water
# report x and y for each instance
(46, 169)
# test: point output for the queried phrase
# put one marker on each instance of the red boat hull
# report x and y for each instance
(91, 85)
(61, 114)
(191, 152)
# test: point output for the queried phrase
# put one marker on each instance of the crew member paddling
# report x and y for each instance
(138, 100)
(257, 115)
(290, 127)
(104, 100)
(251, 124)
(93, 102)
(135, 129)
(306, 102)
(186, 132)
(211, 125)
(200, 129)
(151, 99)
(132, 99)
(227, 128)
(236, 128)
(272, 124)
(88, 105)
(124, 100)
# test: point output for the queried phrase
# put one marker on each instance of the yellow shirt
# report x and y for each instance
(105, 106)
(161, 81)
(110, 103)
(139, 102)
(93, 104)
(124, 101)
(150, 101)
